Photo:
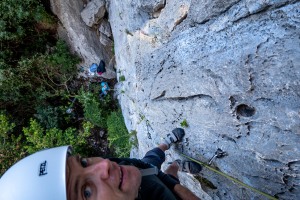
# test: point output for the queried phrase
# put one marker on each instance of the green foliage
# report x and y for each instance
(15, 14)
(9, 144)
(119, 138)
(29, 77)
(36, 72)
(61, 61)
(94, 87)
(93, 112)
(134, 139)
(19, 31)
(38, 138)
(121, 78)
(184, 124)
(5, 126)
(38, 77)
(49, 116)
(42, 17)
(142, 117)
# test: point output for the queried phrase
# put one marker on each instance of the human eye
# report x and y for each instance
(87, 192)
(83, 162)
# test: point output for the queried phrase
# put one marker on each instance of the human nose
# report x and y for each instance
(102, 168)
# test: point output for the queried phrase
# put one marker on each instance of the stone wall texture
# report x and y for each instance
(75, 28)
(231, 70)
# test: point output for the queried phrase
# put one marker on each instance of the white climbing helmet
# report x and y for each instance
(40, 176)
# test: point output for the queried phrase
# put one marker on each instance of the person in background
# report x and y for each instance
(99, 69)
(104, 89)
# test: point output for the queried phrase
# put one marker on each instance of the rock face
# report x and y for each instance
(75, 28)
(93, 12)
(228, 70)
(231, 70)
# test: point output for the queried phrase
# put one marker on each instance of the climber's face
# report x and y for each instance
(97, 178)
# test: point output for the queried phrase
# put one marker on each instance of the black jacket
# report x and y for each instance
(158, 187)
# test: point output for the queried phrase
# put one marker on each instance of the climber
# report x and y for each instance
(104, 89)
(100, 69)
(55, 174)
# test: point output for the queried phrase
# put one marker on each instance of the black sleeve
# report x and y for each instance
(169, 181)
(152, 188)
(150, 184)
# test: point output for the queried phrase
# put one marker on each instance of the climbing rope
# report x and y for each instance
(231, 178)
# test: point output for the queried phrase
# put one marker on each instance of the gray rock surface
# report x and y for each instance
(82, 39)
(93, 12)
(105, 33)
(231, 69)
(105, 28)
(151, 6)
(106, 41)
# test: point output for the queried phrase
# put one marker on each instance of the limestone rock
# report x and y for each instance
(106, 41)
(105, 28)
(151, 6)
(231, 69)
(206, 10)
(93, 12)
(83, 40)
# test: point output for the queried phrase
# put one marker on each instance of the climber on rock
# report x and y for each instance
(100, 69)
(56, 174)
(104, 89)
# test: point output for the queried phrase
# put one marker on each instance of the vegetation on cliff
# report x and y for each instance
(42, 103)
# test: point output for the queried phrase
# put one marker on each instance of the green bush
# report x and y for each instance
(36, 72)
(119, 138)
(61, 62)
(38, 138)
(92, 109)
(49, 116)
(10, 146)
(38, 77)
(122, 78)
(15, 15)
(37, 81)
(19, 31)
(95, 110)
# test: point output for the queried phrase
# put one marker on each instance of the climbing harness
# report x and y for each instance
(231, 178)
